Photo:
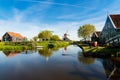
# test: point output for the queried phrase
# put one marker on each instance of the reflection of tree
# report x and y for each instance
(11, 53)
(85, 60)
(45, 52)
(65, 48)
(55, 49)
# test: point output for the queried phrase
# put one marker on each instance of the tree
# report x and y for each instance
(55, 38)
(86, 30)
(45, 35)
(35, 38)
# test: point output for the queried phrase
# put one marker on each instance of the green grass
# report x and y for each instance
(100, 51)
(15, 48)
(2, 43)
(87, 49)
(29, 45)
(53, 43)
(15, 45)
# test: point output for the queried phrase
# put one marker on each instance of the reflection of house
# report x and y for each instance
(14, 37)
(11, 53)
(112, 69)
(95, 36)
(65, 37)
(111, 31)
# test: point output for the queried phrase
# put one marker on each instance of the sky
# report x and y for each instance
(29, 17)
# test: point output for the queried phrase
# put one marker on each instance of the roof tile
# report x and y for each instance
(13, 34)
(116, 20)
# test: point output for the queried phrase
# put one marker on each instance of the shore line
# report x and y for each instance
(102, 52)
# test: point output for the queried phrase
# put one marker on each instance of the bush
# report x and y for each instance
(51, 45)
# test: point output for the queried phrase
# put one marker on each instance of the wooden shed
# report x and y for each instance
(13, 37)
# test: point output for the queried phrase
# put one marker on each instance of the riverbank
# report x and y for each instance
(52, 44)
(31, 45)
(100, 51)
(15, 47)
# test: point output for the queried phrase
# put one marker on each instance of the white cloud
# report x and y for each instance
(51, 2)
(29, 27)
(26, 29)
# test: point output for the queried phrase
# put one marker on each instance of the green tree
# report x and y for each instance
(35, 38)
(55, 38)
(86, 30)
(45, 35)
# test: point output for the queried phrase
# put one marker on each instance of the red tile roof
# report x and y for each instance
(97, 33)
(116, 20)
(13, 34)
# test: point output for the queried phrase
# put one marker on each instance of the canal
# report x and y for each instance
(55, 64)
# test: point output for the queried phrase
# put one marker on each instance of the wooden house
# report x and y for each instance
(95, 36)
(13, 37)
(111, 30)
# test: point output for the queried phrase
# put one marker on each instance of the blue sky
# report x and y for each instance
(29, 17)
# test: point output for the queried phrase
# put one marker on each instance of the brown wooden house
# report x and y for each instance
(13, 37)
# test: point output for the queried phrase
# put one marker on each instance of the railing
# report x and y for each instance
(113, 38)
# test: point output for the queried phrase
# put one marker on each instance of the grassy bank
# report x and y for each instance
(101, 51)
(15, 48)
(30, 45)
(53, 43)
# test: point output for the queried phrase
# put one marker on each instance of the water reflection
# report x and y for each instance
(45, 52)
(11, 53)
(30, 65)
(85, 60)
(112, 68)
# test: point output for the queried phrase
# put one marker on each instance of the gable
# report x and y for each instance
(6, 35)
(108, 24)
(96, 34)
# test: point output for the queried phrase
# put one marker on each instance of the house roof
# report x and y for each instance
(97, 33)
(11, 53)
(13, 34)
(116, 20)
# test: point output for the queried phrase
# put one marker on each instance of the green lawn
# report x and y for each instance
(53, 43)
(101, 51)
(15, 47)
(30, 45)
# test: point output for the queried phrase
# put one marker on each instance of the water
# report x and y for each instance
(52, 64)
